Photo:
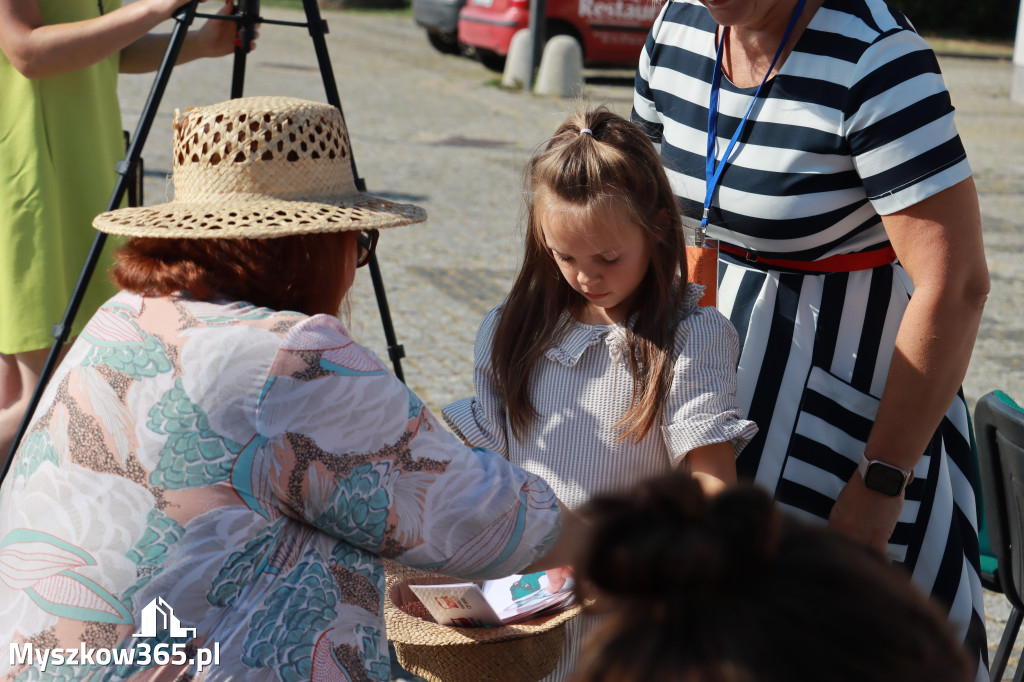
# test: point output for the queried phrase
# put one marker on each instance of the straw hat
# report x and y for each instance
(524, 652)
(260, 167)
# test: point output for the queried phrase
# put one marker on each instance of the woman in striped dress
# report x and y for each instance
(837, 185)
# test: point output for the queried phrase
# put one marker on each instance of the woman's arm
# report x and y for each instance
(566, 549)
(38, 50)
(215, 39)
(360, 457)
(939, 243)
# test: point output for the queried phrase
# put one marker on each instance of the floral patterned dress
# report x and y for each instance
(224, 478)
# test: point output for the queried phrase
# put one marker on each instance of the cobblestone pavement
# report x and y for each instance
(436, 130)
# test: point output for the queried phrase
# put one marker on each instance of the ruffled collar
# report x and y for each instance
(691, 300)
(578, 336)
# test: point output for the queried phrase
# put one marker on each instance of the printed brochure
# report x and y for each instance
(504, 601)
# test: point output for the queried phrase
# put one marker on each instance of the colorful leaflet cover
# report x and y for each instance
(504, 601)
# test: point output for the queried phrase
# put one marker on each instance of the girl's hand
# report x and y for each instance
(865, 515)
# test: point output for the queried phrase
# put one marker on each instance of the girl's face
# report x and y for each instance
(601, 253)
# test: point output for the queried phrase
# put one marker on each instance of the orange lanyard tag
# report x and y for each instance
(701, 261)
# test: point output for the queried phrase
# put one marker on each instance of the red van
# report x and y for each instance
(611, 32)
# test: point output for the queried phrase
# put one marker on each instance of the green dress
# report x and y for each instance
(60, 140)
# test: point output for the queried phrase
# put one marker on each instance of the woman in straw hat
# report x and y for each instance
(217, 468)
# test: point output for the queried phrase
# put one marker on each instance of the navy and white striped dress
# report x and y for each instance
(856, 124)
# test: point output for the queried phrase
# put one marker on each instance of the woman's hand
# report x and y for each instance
(566, 548)
(557, 578)
(217, 38)
(865, 515)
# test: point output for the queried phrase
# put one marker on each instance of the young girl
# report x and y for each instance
(600, 370)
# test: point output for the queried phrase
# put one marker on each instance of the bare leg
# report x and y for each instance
(10, 380)
(27, 367)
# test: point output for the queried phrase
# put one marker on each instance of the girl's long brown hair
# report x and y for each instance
(615, 162)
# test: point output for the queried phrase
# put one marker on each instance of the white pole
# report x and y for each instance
(1017, 84)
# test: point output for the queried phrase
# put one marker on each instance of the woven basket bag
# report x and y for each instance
(524, 652)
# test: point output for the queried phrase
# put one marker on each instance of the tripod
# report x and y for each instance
(246, 15)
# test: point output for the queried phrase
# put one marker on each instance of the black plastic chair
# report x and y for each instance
(999, 430)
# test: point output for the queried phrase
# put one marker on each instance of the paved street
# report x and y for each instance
(437, 131)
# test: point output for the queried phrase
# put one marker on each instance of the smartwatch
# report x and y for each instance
(884, 478)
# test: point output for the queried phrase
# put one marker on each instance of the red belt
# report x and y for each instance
(844, 262)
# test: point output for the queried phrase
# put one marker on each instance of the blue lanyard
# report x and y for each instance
(713, 175)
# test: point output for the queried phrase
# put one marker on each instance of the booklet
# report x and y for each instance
(504, 601)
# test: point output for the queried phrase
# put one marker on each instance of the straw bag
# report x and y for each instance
(524, 652)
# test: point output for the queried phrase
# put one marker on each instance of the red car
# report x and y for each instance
(611, 32)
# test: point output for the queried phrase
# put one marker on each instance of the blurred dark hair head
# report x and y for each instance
(730, 590)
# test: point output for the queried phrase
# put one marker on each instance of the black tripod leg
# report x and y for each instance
(247, 13)
(395, 350)
(125, 168)
(317, 29)
(238, 72)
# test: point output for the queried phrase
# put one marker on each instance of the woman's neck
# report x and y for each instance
(749, 48)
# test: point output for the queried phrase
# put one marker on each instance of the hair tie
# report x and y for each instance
(588, 131)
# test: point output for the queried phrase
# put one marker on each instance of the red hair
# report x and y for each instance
(305, 273)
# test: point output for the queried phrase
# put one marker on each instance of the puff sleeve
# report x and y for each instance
(701, 408)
